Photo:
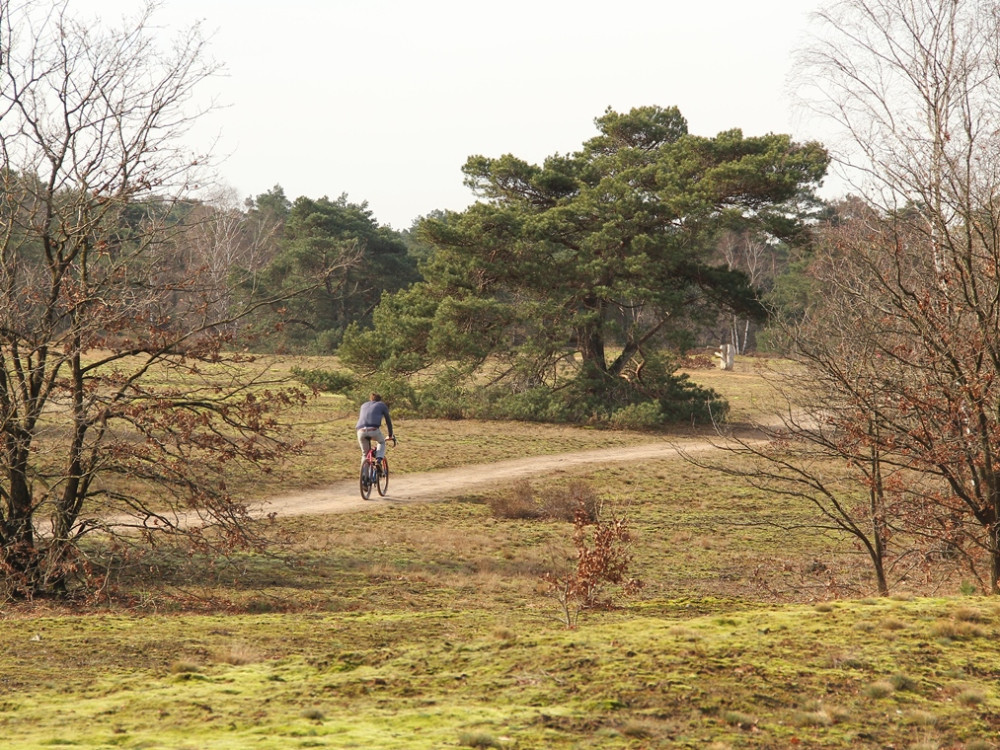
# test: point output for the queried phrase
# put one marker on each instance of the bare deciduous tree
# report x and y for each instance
(228, 248)
(744, 251)
(119, 408)
(915, 280)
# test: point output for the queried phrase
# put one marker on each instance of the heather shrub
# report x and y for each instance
(554, 502)
(516, 502)
(561, 503)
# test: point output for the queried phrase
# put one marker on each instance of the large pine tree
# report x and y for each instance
(583, 266)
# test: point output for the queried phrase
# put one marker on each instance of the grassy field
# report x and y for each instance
(430, 626)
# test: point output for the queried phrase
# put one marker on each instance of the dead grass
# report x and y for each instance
(524, 500)
(237, 654)
(819, 718)
(971, 697)
(959, 630)
(517, 502)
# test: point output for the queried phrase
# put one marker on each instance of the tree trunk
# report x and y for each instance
(726, 355)
(74, 490)
(18, 552)
(590, 338)
(995, 564)
(993, 535)
(877, 511)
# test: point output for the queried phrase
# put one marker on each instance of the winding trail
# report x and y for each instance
(431, 486)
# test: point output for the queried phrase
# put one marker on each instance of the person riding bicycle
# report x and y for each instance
(369, 425)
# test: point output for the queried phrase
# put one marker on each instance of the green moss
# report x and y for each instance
(427, 679)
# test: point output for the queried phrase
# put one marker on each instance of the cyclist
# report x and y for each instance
(369, 425)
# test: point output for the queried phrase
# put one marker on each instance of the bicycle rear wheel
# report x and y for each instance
(383, 478)
(366, 482)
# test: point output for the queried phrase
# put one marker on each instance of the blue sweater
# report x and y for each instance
(372, 414)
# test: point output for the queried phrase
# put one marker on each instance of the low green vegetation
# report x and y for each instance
(683, 672)
(431, 625)
(674, 398)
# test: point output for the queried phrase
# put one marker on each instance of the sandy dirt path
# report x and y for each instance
(344, 497)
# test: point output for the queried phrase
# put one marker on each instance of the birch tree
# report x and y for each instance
(914, 87)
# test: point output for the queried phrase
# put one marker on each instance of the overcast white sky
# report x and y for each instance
(385, 99)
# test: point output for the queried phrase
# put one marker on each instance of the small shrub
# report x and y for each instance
(653, 395)
(603, 558)
(562, 503)
(817, 713)
(847, 661)
(517, 502)
(683, 401)
(531, 405)
(739, 719)
(682, 633)
(699, 361)
(921, 718)
(184, 667)
(971, 697)
(442, 404)
(477, 739)
(325, 380)
(839, 715)
(968, 614)
(960, 630)
(891, 623)
(639, 730)
(880, 689)
(812, 719)
(444, 397)
(903, 682)
(237, 655)
(505, 634)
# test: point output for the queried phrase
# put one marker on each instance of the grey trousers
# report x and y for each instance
(365, 437)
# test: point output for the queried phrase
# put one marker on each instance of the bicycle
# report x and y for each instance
(373, 474)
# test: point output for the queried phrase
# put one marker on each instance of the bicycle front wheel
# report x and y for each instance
(366, 482)
(383, 478)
